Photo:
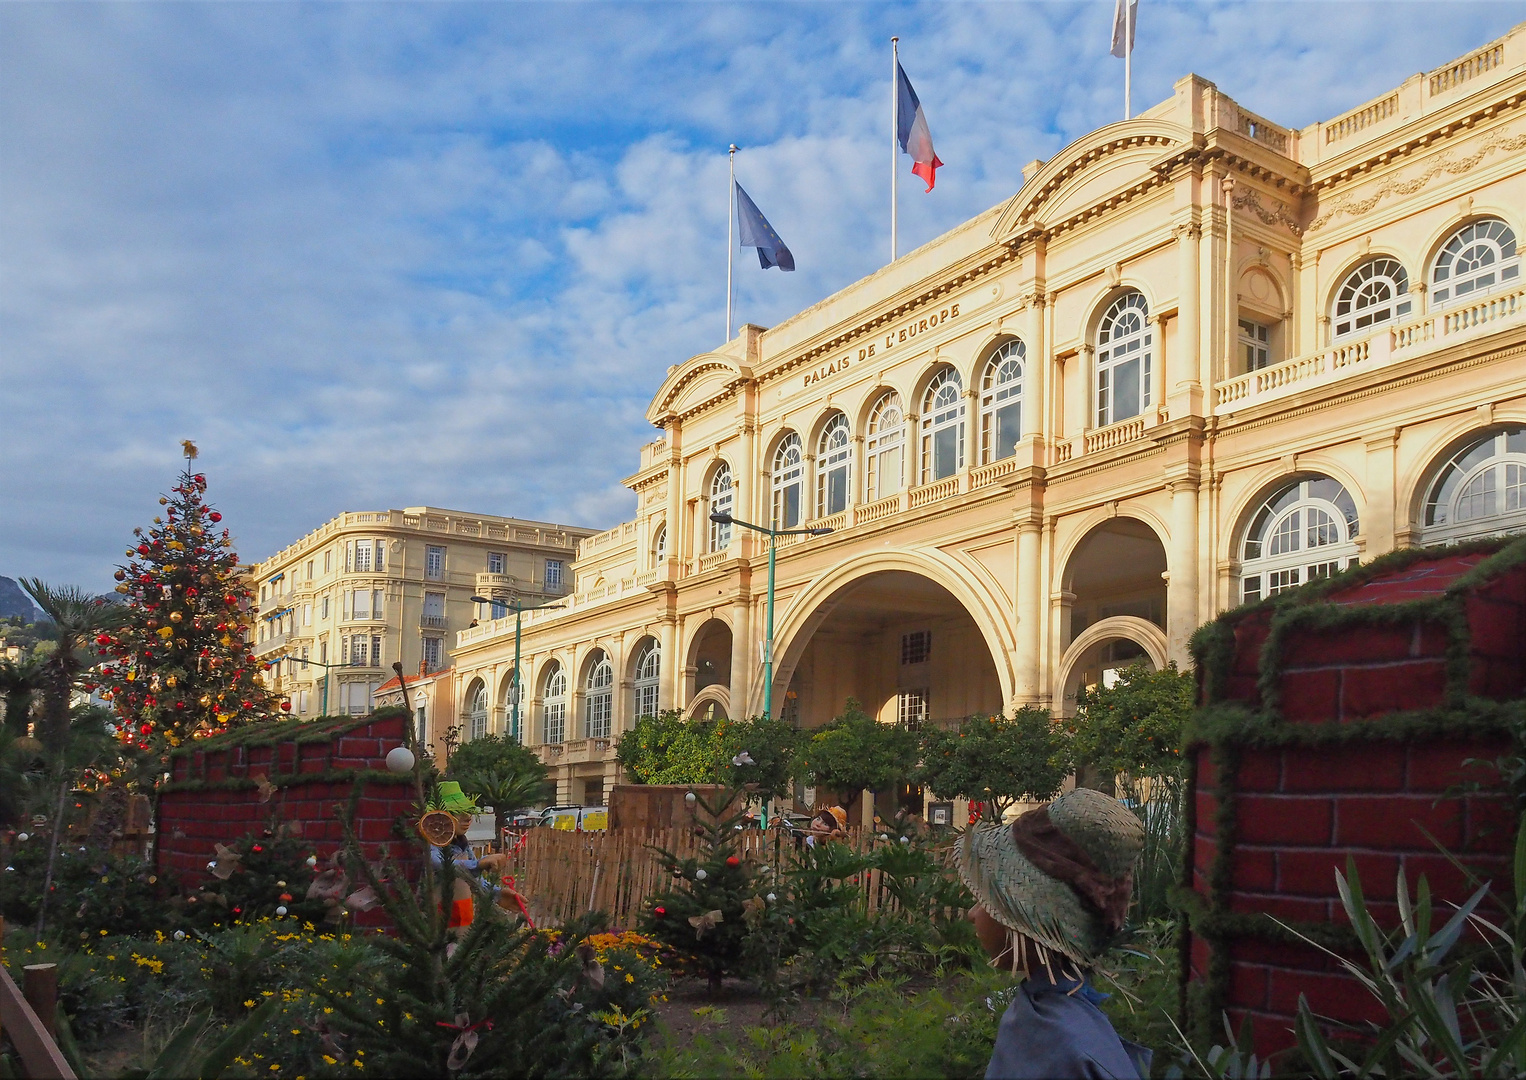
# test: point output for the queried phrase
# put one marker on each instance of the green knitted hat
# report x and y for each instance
(1088, 843)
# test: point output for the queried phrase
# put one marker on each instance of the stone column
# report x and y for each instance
(1036, 368)
(1384, 518)
(744, 660)
(1030, 584)
(669, 670)
(677, 546)
(1182, 572)
(1184, 384)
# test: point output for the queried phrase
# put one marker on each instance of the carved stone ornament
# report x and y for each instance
(1276, 214)
(1445, 164)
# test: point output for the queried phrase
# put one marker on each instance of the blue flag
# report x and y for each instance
(756, 232)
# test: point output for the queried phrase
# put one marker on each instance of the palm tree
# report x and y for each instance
(506, 787)
(19, 682)
(77, 617)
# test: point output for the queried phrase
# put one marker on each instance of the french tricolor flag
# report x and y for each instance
(911, 129)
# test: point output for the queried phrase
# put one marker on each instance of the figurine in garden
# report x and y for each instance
(1052, 891)
(829, 824)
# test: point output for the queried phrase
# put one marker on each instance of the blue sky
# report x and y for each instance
(378, 255)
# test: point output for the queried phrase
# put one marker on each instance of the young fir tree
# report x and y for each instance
(717, 896)
(181, 666)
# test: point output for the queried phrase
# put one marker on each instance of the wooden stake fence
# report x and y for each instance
(565, 874)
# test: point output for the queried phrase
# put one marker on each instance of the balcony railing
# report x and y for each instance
(271, 644)
(433, 622)
(1115, 435)
(1485, 315)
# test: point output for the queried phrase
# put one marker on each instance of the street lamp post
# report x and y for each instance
(721, 518)
(519, 610)
(323, 707)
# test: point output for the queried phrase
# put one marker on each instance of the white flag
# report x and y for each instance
(1125, 12)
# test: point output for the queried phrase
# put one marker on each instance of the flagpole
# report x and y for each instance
(731, 213)
(1128, 60)
(895, 134)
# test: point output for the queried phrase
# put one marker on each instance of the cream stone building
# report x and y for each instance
(1197, 358)
(364, 590)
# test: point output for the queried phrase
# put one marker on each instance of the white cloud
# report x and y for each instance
(378, 255)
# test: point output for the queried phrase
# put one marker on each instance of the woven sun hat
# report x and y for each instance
(839, 815)
(1060, 874)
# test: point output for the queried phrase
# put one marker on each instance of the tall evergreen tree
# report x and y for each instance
(181, 666)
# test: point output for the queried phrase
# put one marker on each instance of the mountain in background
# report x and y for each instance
(15, 602)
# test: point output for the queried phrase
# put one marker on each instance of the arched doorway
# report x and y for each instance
(1114, 606)
(709, 662)
(897, 642)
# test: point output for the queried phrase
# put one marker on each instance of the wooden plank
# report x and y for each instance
(40, 1056)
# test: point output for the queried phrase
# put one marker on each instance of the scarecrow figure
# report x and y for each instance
(829, 824)
(1052, 890)
(451, 800)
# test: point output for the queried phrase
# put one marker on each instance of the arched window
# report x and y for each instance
(1374, 293)
(834, 466)
(660, 545)
(1305, 531)
(478, 713)
(1001, 403)
(1480, 491)
(943, 426)
(887, 431)
(1124, 356)
(1477, 257)
(721, 495)
(648, 672)
(789, 481)
(599, 705)
(510, 713)
(554, 705)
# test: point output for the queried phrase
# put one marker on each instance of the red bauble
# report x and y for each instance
(256, 848)
(103, 639)
(120, 575)
(660, 912)
(215, 516)
(732, 860)
(286, 706)
(143, 549)
(145, 729)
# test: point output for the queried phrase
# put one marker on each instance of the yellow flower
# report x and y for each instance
(249, 1004)
(630, 978)
(329, 1060)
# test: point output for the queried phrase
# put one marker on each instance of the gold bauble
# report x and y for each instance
(170, 681)
(175, 616)
(206, 699)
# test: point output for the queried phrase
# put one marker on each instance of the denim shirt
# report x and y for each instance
(1054, 1031)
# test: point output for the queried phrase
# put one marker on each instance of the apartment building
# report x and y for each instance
(365, 590)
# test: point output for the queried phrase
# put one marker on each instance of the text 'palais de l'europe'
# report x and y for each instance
(879, 346)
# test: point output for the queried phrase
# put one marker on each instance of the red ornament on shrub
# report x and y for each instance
(732, 860)
(143, 549)
(660, 912)
(215, 516)
(256, 848)
(286, 706)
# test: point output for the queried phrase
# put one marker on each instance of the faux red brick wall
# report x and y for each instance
(1300, 812)
(192, 822)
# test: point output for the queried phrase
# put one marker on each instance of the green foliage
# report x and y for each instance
(997, 760)
(271, 872)
(667, 749)
(855, 752)
(503, 774)
(93, 890)
(717, 896)
(1136, 725)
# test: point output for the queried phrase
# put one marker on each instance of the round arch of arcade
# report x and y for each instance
(1127, 628)
(979, 597)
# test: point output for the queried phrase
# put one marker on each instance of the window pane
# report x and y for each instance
(837, 492)
(945, 452)
(1008, 430)
(1126, 385)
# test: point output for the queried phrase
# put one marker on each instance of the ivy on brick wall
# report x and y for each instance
(1242, 712)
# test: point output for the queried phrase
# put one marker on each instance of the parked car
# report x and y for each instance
(578, 818)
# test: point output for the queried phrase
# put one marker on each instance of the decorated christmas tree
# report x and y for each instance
(718, 896)
(180, 666)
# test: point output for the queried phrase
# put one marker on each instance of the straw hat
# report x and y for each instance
(839, 815)
(1060, 874)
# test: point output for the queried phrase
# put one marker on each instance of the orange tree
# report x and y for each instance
(997, 760)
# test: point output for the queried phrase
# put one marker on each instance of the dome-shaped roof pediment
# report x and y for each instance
(1095, 168)
(697, 380)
